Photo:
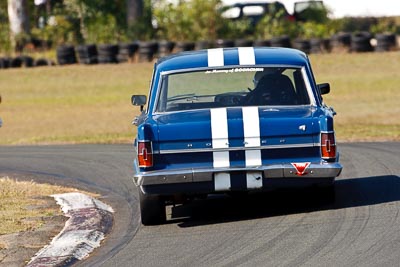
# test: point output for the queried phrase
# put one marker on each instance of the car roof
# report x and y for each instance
(237, 56)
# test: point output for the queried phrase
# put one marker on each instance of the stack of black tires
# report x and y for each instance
(66, 55)
(87, 54)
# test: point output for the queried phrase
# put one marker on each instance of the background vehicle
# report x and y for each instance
(232, 120)
(256, 10)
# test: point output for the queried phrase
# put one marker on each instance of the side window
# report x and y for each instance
(162, 98)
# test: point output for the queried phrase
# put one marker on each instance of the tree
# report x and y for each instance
(134, 11)
(19, 20)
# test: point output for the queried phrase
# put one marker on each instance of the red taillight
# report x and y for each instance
(145, 154)
(328, 146)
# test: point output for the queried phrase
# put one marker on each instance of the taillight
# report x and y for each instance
(145, 154)
(328, 146)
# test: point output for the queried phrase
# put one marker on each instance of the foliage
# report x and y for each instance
(59, 29)
(312, 29)
(314, 13)
(5, 45)
(194, 20)
(142, 29)
(385, 25)
(99, 20)
(276, 24)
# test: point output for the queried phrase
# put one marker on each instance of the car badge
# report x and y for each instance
(302, 127)
(301, 168)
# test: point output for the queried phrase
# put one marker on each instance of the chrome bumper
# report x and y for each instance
(315, 170)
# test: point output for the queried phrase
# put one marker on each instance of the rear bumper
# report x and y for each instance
(315, 173)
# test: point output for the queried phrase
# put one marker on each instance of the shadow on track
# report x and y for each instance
(353, 192)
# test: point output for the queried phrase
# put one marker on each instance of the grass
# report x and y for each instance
(365, 93)
(91, 104)
(74, 104)
(22, 204)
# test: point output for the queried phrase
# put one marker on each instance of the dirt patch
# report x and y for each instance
(18, 248)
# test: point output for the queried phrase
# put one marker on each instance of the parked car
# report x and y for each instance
(254, 11)
(232, 120)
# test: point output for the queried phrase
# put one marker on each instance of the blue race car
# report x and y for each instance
(228, 120)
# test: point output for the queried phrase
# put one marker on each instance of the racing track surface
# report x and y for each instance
(362, 227)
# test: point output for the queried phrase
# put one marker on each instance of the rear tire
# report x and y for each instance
(152, 209)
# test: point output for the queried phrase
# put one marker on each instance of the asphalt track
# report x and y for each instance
(362, 227)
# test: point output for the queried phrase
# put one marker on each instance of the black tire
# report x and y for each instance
(262, 43)
(107, 53)
(184, 46)
(303, 45)
(202, 45)
(361, 42)
(281, 41)
(5, 63)
(385, 42)
(66, 55)
(165, 48)
(127, 51)
(152, 209)
(222, 43)
(316, 46)
(42, 62)
(26, 61)
(341, 42)
(243, 43)
(147, 50)
(87, 54)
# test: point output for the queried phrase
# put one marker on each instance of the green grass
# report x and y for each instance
(91, 104)
(365, 93)
(74, 104)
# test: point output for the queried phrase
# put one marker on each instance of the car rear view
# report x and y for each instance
(232, 120)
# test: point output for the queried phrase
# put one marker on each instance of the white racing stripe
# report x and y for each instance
(215, 57)
(219, 134)
(251, 127)
(222, 181)
(246, 56)
(254, 180)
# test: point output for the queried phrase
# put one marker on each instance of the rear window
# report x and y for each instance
(231, 87)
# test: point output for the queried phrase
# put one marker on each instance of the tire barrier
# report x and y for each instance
(5, 63)
(221, 43)
(43, 62)
(361, 42)
(147, 50)
(87, 54)
(16, 62)
(281, 41)
(165, 48)
(243, 43)
(202, 45)
(385, 42)
(127, 51)
(341, 42)
(66, 55)
(184, 46)
(303, 45)
(318, 45)
(107, 53)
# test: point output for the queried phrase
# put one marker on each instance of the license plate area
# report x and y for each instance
(238, 181)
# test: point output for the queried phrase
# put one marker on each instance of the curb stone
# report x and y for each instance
(89, 221)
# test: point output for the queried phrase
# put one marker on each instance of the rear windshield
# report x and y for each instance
(232, 87)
